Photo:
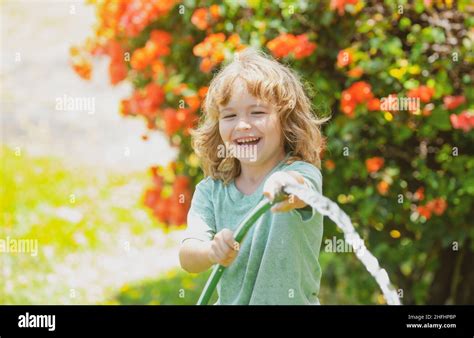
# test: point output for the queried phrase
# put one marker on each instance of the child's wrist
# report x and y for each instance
(207, 253)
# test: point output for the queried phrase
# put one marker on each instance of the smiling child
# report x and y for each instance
(258, 109)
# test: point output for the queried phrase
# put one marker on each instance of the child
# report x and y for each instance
(257, 111)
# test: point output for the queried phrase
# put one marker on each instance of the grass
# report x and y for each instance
(175, 288)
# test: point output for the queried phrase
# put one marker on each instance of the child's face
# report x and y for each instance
(251, 127)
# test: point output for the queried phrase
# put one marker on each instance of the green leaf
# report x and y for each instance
(440, 119)
(402, 134)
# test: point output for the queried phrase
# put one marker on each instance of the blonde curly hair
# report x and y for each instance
(269, 81)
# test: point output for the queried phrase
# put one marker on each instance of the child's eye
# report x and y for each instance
(258, 112)
(228, 116)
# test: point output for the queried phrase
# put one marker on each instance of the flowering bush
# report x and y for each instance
(396, 77)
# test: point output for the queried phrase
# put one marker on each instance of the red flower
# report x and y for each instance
(178, 119)
(180, 200)
(80, 63)
(151, 100)
(341, 4)
(437, 206)
(361, 91)
(153, 195)
(115, 50)
(157, 68)
(181, 182)
(83, 68)
(179, 207)
(193, 101)
(158, 180)
(117, 71)
(286, 44)
(373, 104)
(151, 198)
(303, 47)
(355, 72)
(139, 13)
(206, 65)
(425, 93)
(419, 194)
(424, 211)
(155, 94)
(282, 45)
(383, 187)
(199, 18)
(139, 59)
(452, 102)
(160, 37)
(171, 210)
(234, 40)
(117, 67)
(464, 121)
(145, 102)
(156, 46)
(212, 49)
(162, 209)
(203, 18)
(348, 105)
(329, 164)
(202, 92)
(374, 164)
(205, 48)
(344, 58)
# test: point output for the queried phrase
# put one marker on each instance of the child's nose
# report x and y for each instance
(242, 124)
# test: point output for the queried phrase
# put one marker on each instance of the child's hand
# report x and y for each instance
(223, 248)
(274, 184)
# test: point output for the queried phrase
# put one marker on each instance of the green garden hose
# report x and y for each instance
(239, 235)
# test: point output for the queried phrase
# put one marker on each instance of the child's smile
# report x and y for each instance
(252, 126)
(249, 140)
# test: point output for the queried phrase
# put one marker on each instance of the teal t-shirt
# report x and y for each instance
(278, 259)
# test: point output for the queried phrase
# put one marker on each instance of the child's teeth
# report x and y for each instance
(247, 140)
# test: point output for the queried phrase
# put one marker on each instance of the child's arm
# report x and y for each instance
(194, 255)
(197, 256)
